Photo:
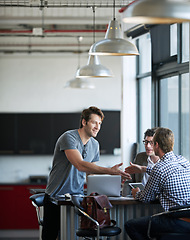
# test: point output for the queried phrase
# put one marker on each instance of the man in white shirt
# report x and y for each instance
(147, 158)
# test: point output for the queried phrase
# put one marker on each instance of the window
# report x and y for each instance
(174, 110)
(174, 89)
(185, 115)
(169, 106)
(173, 39)
(145, 54)
(144, 108)
(144, 87)
(185, 42)
(163, 83)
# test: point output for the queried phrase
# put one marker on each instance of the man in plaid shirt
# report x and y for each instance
(169, 181)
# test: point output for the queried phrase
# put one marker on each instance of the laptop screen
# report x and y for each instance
(109, 185)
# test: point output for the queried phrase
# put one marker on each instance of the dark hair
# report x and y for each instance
(150, 132)
(165, 139)
(86, 113)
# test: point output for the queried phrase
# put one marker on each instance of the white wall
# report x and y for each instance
(128, 118)
(35, 83)
(19, 168)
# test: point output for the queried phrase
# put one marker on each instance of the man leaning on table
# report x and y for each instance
(169, 181)
(76, 152)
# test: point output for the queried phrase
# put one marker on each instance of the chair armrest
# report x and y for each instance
(93, 220)
(89, 217)
(38, 199)
(180, 207)
(175, 212)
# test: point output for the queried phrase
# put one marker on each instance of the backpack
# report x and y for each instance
(98, 207)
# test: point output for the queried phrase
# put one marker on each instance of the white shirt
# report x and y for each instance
(146, 175)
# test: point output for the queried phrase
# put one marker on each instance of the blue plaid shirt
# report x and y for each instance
(169, 181)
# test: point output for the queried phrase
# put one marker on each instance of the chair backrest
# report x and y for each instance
(77, 200)
(134, 150)
(92, 233)
(37, 201)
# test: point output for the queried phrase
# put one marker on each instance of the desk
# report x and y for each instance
(123, 210)
(37, 190)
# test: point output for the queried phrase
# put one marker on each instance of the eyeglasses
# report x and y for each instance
(146, 142)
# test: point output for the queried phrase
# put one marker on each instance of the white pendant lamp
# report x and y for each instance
(113, 44)
(157, 12)
(93, 69)
(79, 83)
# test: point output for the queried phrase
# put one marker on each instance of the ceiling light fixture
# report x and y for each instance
(79, 82)
(157, 12)
(113, 44)
(93, 69)
(39, 31)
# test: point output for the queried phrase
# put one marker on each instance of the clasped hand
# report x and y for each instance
(117, 171)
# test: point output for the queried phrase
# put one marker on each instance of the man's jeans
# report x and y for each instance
(137, 228)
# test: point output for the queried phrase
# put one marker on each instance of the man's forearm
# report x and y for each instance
(92, 168)
(76, 159)
(135, 168)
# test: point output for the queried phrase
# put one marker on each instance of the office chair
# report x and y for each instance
(175, 212)
(92, 233)
(133, 152)
(37, 201)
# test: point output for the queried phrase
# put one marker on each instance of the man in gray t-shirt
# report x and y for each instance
(74, 156)
(62, 173)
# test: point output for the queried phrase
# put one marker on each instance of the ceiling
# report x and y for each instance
(46, 26)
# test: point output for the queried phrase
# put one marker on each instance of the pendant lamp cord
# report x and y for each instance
(113, 9)
(93, 9)
(79, 38)
(43, 23)
(42, 9)
(78, 52)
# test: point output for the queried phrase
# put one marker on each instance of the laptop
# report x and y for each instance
(109, 185)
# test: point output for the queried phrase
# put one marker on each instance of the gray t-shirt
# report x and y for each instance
(64, 177)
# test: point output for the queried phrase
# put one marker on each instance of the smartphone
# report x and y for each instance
(135, 185)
